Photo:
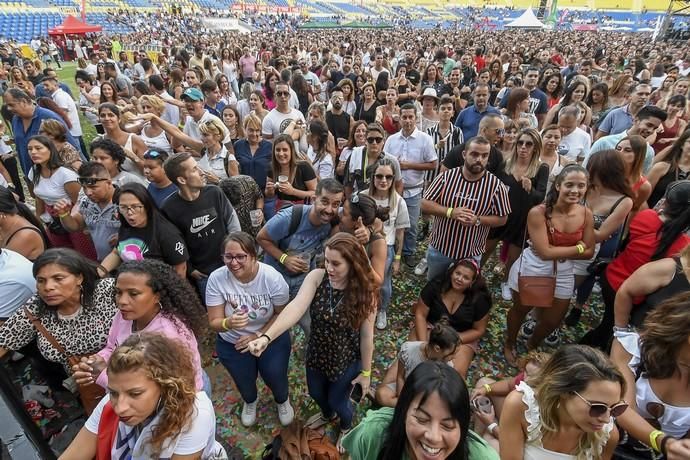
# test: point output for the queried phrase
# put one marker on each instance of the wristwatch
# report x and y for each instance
(477, 221)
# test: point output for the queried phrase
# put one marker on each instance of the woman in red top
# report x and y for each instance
(653, 236)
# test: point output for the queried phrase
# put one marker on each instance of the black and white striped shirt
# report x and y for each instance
(452, 138)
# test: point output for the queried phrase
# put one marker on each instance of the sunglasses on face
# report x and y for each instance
(374, 140)
(522, 143)
(388, 177)
(90, 181)
(282, 93)
(599, 409)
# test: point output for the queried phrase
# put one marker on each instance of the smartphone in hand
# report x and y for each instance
(357, 393)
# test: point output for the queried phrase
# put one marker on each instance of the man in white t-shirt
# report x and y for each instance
(575, 142)
(193, 100)
(283, 117)
(66, 103)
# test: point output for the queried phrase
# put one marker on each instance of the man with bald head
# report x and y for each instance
(491, 127)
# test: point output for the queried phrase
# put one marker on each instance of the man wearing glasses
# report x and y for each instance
(361, 164)
(284, 119)
(491, 127)
(95, 210)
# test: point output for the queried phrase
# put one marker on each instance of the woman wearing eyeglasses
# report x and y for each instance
(653, 362)
(382, 190)
(144, 233)
(566, 411)
(243, 298)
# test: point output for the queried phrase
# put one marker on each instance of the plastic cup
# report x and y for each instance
(282, 179)
(256, 217)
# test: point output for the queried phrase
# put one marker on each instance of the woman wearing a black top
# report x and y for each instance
(461, 295)
(289, 179)
(669, 167)
(144, 233)
(341, 300)
(366, 108)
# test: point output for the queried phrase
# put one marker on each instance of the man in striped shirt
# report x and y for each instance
(465, 202)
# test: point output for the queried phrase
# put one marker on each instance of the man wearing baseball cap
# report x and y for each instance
(193, 100)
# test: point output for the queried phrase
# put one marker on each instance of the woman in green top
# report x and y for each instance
(431, 420)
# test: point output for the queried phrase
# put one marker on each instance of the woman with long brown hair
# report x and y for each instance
(154, 409)
(289, 178)
(341, 300)
(670, 166)
(632, 150)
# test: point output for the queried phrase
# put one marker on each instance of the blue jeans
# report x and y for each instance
(334, 396)
(387, 287)
(294, 283)
(201, 287)
(414, 207)
(245, 367)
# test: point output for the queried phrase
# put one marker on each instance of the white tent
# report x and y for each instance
(526, 21)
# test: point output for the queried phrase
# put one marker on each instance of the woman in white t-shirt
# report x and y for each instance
(51, 182)
(382, 190)
(153, 410)
(242, 297)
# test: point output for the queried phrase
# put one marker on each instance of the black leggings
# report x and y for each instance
(600, 337)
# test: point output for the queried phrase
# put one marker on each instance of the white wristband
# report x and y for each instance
(491, 428)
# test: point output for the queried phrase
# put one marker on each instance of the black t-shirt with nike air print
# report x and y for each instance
(204, 223)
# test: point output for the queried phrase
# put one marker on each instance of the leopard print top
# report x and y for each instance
(84, 334)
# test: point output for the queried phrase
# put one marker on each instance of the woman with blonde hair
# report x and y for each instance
(526, 178)
(253, 153)
(153, 135)
(619, 91)
(567, 410)
(57, 132)
(153, 410)
(19, 79)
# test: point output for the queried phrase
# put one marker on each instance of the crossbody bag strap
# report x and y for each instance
(549, 234)
(44, 332)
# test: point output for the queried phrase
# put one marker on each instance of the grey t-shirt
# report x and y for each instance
(102, 224)
(411, 356)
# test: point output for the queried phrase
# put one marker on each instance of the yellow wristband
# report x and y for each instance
(62, 216)
(224, 325)
(487, 387)
(365, 373)
(653, 437)
(449, 212)
(282, 258)
(580, 248)
(397, 257)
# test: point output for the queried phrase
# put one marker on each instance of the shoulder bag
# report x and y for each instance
(91, 393)
(537, 291)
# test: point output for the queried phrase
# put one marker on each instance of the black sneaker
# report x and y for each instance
(573, 317)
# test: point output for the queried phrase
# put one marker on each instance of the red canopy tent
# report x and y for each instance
(72, 25)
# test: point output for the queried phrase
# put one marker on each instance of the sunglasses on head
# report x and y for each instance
(90, 181)
(152, 155)
(374, 140)
(599, 409)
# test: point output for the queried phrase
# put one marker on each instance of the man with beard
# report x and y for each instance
(346, 72)
(337, 119)
(465, 202)
(295, 235)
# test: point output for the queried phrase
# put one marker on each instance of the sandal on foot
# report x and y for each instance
(510, 353)
(318, 420)
(339, 442)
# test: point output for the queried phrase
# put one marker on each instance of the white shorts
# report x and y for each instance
(532, 265)
(580, 266)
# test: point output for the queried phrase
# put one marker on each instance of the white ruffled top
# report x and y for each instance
(534, 450)
(675, 420)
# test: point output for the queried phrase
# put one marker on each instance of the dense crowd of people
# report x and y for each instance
(274, 184)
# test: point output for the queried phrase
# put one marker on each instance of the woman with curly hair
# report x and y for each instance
(153, 410)
(341, 300)
(150, 297)
(575, 92)
(552, 86)
(567, 410)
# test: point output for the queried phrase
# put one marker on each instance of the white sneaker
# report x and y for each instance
(421, 267)
(285, 413)
(506, 293)
(381, 320)
(249, 413)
